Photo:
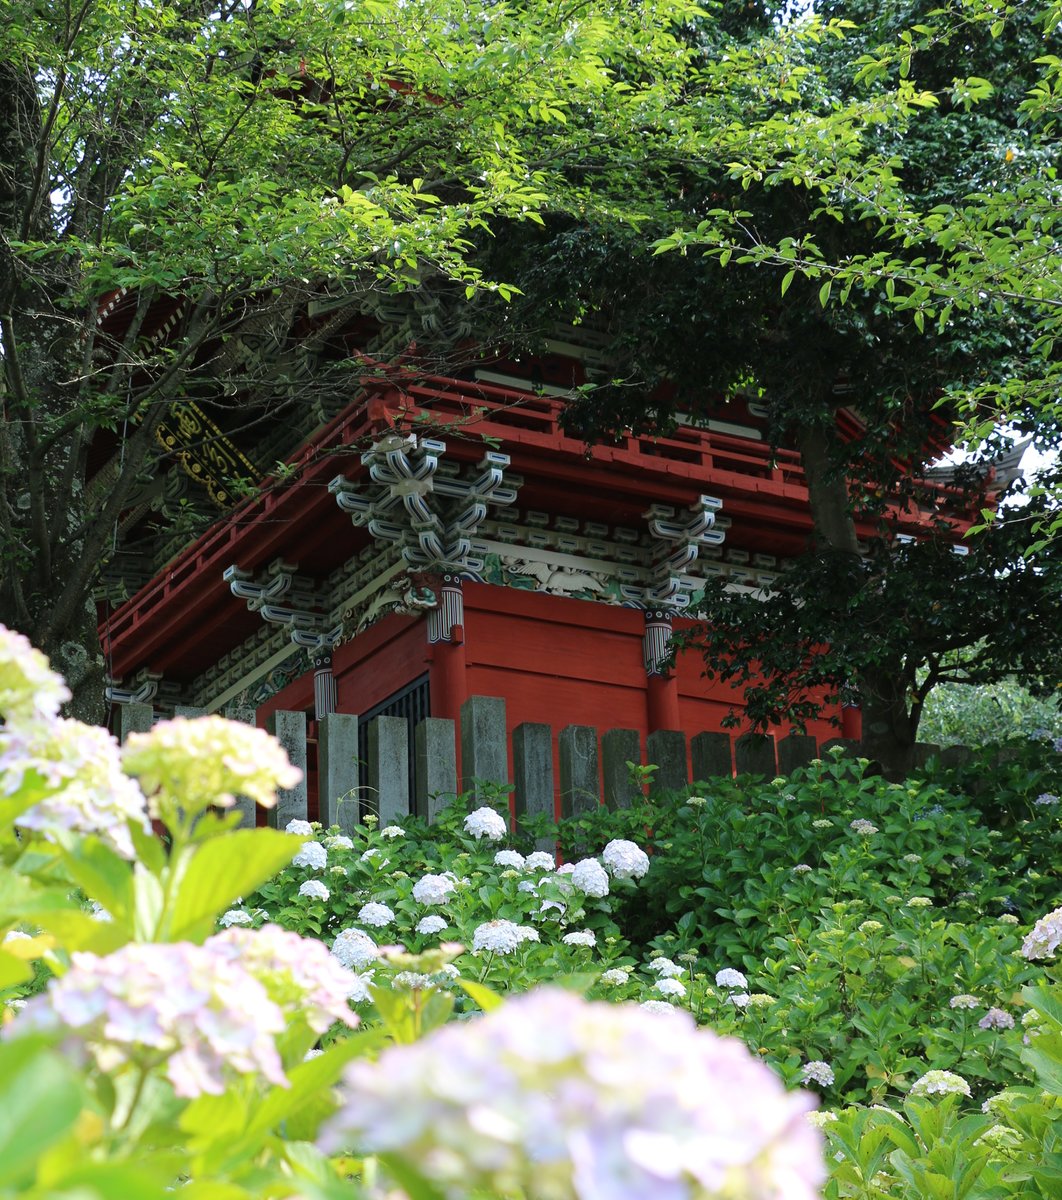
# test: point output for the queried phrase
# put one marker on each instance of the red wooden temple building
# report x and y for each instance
(442, 537)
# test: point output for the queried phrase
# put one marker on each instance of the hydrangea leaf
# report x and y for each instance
(77, 930)
(220, 871)
(39, 1102)
(483, 996)
(310, 1078)
(13, 969)
(101, 874)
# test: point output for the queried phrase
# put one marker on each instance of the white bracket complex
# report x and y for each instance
(678, 538)
(308, 629)
(431, 513)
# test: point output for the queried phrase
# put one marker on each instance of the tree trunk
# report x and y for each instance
(831, 511)
(888, 730)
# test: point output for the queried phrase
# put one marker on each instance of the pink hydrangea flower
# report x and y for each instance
(556, 1098)
(80, 768)
(207, 1018)
(300, 974)
(202, 1014)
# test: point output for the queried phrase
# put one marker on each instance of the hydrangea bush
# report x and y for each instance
(235, 1013)
(160, 1034)
(865, 939)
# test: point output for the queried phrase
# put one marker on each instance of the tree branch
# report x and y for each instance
(78, 581)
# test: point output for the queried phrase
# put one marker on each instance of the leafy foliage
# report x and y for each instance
(892, 625)
(982, 715)
(186, 188)
(862, 937)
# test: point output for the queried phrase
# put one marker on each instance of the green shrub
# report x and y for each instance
(960, 714)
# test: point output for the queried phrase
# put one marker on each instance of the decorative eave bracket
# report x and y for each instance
(308, 625)
(432, 513)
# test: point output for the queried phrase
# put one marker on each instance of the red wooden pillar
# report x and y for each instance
(852, 722)
(446, 650)
(661, 685)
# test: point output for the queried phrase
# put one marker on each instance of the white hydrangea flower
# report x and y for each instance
(565, 868)
(1001, 1139)
(590, 877)
(412, 981)
(999, 1103)
(527, 885)
(555, 1100)
(818, 1072)
(940, 1083)
(670, 987)
(615, 977)
(693, 802)
(314, 889)
(626, 860)
(964, 1000)
(392, 831)
(821, 823)
(312, 856)
(85, 790)
(486, 823)
(431, 924)
(235, 916)
(540, 860)
(728, 977)
(509, 858)
(29, 689)
(656, 1006)
(919, 902)
(208, 760)
(801, 869)
(354, 949)
(299, 828)
(822, 1118)
(528, 933)
(16, 935)
(551, 910)
(376, 914)
(339, 841)
(1045, 938)
(579, 937)
(739, 999)
(499, 937)
(863, 828)
(433, 889)
(665, 967)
